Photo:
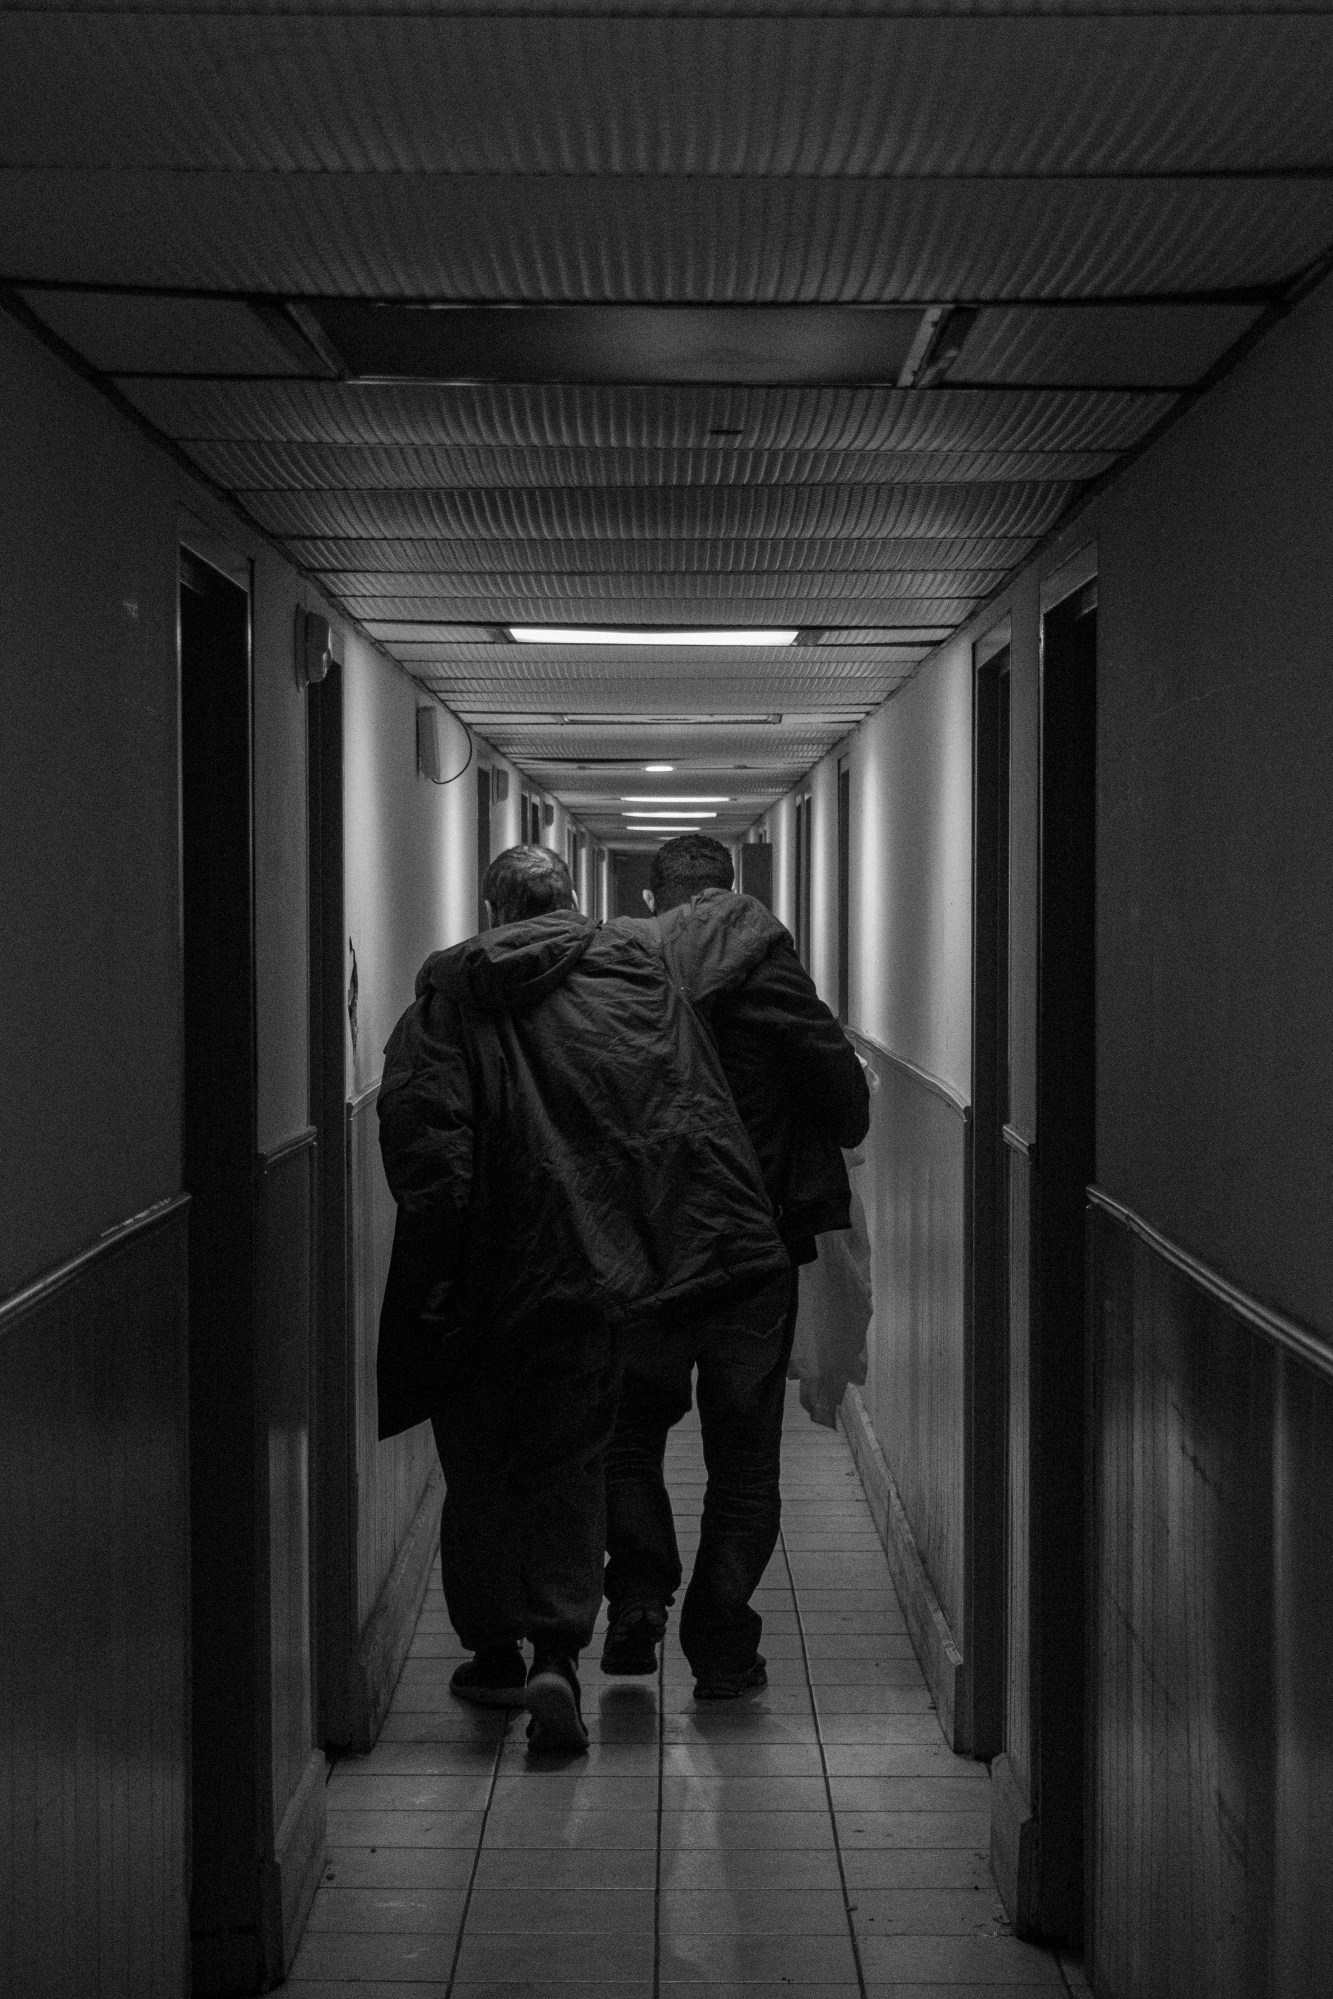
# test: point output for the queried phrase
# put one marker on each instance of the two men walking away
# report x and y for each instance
(569, 1167)
(802, 1096)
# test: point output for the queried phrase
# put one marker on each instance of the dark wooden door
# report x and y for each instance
(219, 1146)
(333, 1525)
(1066, 1165)
(985, 1498)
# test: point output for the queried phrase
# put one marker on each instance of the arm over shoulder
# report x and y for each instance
(779, 999)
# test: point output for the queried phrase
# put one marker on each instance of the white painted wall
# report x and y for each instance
(911, 875)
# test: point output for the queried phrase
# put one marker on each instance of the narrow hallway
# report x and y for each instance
(819, 1838)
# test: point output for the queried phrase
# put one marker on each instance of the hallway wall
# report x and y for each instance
(93, 1529)
(93, 1334)
(1215, 1146)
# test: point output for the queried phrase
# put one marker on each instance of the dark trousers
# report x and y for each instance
(524, 1522)
(741, 1354)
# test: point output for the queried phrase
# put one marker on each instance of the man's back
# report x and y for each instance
(557, 1131)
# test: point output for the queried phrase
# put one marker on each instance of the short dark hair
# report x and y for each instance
(687, 864)
(527, 881)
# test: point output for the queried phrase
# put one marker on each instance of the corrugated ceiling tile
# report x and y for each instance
(630, 419)
(1157, 346)
(624, 512)
(659, 241)
(254, 465)
(390, 560)
(616, 95)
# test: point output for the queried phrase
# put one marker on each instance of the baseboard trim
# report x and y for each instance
(299, 1855)
(1014, 1847)
(391, 1624)
(940, 1658)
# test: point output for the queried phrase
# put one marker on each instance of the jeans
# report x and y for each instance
(741, 1352)
(524, 1522)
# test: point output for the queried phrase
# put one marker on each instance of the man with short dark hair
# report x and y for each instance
(567, 1162)
(802, 1096)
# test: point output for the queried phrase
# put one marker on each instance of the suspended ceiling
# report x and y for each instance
(660, 316)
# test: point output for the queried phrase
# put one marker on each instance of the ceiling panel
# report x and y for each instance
(626, 419)
(409, 565)
(621, 513)
(1120, 190)
(253, 465)
(120, 334)
(221, 89)
(699, 241)
(1157, 346)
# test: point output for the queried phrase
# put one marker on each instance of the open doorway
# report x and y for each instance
(1066, 1166)
(989, 1313)
(219, 1149)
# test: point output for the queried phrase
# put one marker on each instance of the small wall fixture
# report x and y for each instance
(314, 648)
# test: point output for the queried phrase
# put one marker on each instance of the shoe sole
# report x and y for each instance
(510, 1697)
(556, 1721)
(630, 1665)
(734, 1688)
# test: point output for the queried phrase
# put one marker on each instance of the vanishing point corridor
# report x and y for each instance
(819, 1836)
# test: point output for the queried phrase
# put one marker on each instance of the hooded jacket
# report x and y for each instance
(796, 1079)
(558, 1135)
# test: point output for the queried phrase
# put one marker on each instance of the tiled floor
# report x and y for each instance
(819, 1840)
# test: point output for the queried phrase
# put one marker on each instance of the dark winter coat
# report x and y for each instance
(796, 1079)
(558, 1135)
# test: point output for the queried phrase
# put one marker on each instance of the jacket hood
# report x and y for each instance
(716, 940)
(510, 969)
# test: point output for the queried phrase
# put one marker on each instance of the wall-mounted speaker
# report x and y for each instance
(430, 744)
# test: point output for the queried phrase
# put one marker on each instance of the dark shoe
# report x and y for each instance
(495, 1678)
(719, 1686)
(632, 1640)
(552, 1699)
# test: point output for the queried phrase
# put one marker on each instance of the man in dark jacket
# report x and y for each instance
(567, 1163)
(802, 1096)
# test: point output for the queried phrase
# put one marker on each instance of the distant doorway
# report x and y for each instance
(219, 1149)
(483, 837)
(629, 878)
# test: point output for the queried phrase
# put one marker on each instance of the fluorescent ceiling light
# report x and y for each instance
(668, 815)
(658, 769)
(647, 798)
(601, 635)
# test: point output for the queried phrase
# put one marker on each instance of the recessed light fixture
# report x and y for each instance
(659, 769)
(675, 798)
(601, 635)
(668, 815)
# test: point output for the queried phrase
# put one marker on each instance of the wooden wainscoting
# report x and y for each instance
(398, 1484)
(1014, 1853)
(908, 1428)
(285, 1290)
(1211, 1630)
(94, 1658)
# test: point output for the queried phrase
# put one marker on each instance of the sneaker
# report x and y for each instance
(552, 1699)
(723, 1686)
(495, 1678)
(631, 1640)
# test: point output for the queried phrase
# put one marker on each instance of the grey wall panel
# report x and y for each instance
(392, 1476)
(89, 829)
(284, 1291)
(915, 1192)
(94, 1631)
(1215, 825)
(1212, 1619)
